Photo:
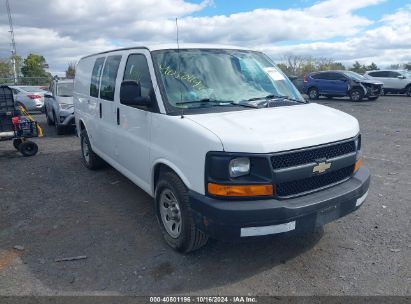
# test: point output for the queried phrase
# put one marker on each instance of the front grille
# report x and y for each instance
(311, 155)
(314, 182)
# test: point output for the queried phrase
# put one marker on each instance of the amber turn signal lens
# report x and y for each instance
(240, 190)
(357, 165)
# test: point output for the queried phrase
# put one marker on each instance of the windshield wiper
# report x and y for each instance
(270, 97)
(216, 103)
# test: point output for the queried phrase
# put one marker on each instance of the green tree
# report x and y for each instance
(358, 68)
(33, 66)
(286, 70)
(71, 70)
(372, 67)
(5, 68)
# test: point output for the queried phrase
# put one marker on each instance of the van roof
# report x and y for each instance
(173, 46)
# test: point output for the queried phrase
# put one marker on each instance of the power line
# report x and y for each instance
(13, 42)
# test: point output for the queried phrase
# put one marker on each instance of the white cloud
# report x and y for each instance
(64, 31)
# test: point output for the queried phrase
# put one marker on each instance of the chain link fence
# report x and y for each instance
(32, 81)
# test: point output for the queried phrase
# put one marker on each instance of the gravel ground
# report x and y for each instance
(54, 208)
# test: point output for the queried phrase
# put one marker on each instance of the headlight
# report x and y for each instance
(239, 166)
(65, 106)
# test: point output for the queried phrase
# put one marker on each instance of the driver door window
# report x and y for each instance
(137, 70)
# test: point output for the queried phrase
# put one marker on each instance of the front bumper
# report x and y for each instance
(222, 219)
(67, 121)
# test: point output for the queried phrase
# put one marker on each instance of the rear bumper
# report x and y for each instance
(222, 219)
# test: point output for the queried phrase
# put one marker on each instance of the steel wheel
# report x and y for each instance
(170, 213)
(85, 149)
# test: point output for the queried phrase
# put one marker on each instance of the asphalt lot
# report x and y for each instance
(55, 208)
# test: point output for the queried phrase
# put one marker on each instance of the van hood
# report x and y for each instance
(277, 129)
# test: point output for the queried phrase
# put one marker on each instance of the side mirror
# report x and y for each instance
(48, 95)
(401, 77)
(130, 94)
(292, 77)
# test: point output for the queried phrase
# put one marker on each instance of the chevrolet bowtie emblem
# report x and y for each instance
(321, 167)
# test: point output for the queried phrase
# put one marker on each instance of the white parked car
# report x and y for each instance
(395, 81)
(29, 97)
(220, 138)
(59, 108)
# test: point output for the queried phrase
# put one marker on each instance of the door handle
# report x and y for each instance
(118, 116)
(100, 110)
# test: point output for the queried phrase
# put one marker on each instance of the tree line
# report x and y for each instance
(33, 66)
(299, 65)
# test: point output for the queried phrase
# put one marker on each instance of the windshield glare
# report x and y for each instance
(219, 75)
(65, 89)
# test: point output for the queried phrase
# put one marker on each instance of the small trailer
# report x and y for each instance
(17, 124)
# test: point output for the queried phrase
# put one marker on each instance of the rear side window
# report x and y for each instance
(393, 74)
(109, 76)
(326, 76)
(95, 76)
(137, 70)
(335, 76)
(379, 74)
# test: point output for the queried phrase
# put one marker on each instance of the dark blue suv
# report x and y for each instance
(341, 84)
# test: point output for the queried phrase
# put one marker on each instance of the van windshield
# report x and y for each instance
(192, 78)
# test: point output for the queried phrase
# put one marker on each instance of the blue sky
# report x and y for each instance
(346, 31)
(227, 7)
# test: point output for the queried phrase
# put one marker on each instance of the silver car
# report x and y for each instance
(29, 97)
(59, 108)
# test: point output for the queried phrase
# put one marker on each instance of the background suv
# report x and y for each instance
(59, 106)
(395, 81)
(341, 84)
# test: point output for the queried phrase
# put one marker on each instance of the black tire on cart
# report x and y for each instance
(16, 143)
(28, 148)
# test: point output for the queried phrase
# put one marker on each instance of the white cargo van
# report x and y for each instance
(220, 138)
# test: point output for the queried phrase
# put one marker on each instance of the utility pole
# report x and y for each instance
(13, 42)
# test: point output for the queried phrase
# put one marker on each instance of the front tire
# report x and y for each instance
(408, 91)
(28, 148)
(49, 121)
(89, 159)
(59, 129)
(313, 93)
(356, 95)
(174, 214)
